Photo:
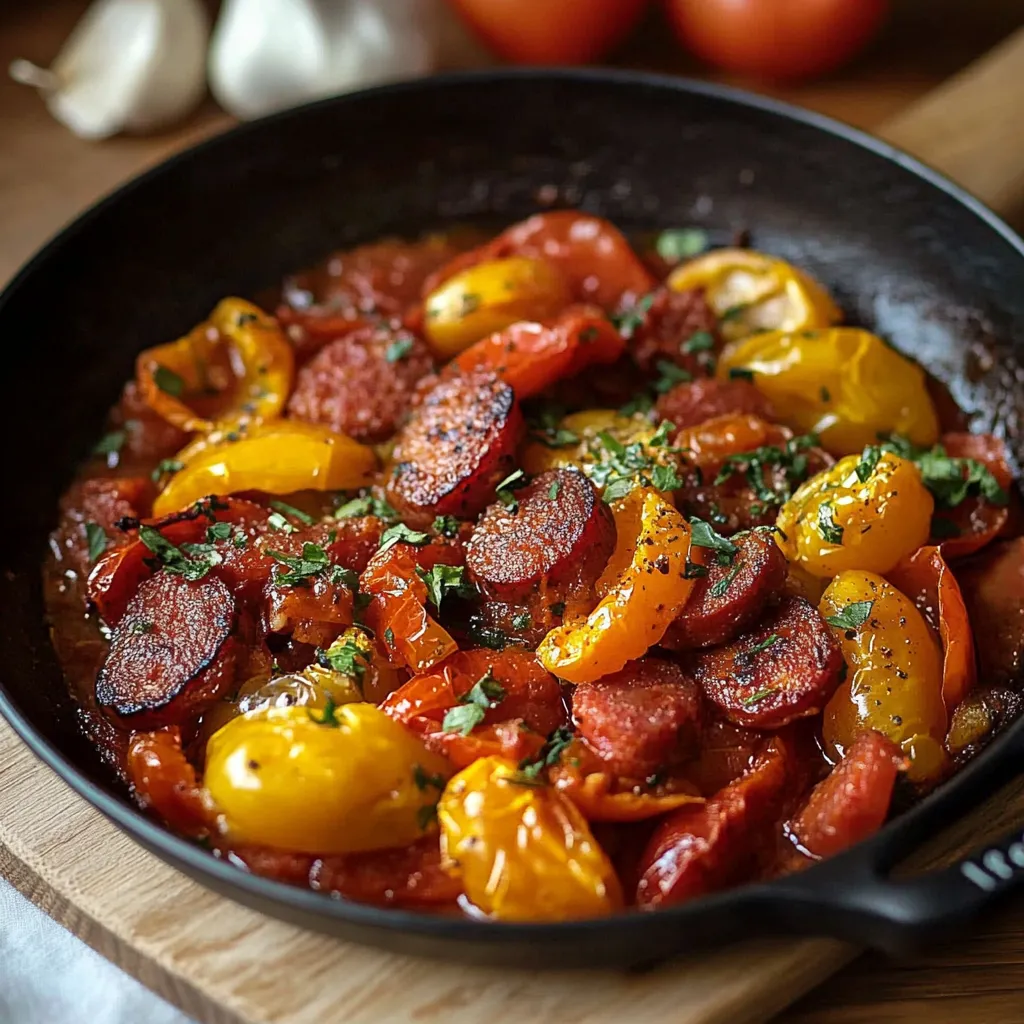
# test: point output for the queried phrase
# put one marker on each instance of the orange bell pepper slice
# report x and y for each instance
(397, 612)
(261, 358)
(644, 585)
(928, 581)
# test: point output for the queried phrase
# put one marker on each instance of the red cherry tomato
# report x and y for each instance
(776, 39)
(550, 31)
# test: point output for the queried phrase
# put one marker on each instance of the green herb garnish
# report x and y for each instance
(442, 580)
(485, 693)
(852, 616)
(446, 526)
(97, 539)
(290, 510)
(676, 244)
(399, 349)
(168, 381)
(829, 529)
(110, 443)
(401, 533)
(191, 561)
(704, 535)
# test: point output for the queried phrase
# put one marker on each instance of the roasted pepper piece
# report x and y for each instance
(895, 674)
(279, 457)
(751, 292)
(644, 585)
(260, 356)
(844, 384)
(338, 781)
(523, 851)
(859, 514)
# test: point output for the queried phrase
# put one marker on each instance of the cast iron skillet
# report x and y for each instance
(905, 252)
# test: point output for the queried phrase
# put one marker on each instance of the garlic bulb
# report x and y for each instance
(128, 65)
(269, 54)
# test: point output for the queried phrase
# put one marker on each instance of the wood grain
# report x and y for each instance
(224, 964)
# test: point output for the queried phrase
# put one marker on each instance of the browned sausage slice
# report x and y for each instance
(730, 597)
(641, 719)
(695, 401)
(361, 384)
(172, 653)
(667, 328)
(784, 669)
(557, 528)
(458, 445)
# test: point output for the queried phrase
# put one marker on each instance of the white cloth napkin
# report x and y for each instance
(47, 976)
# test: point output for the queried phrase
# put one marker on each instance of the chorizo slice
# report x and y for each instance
(90, 512)
(852, 802)
(700, 849)
(172, 654)
(678, 327)
(642, 719)
(730, 597)
(692, 402)
(785, 668)
(456, 448)
(362, 383)
(556, 527)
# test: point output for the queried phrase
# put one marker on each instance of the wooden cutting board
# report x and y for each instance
(223, 963)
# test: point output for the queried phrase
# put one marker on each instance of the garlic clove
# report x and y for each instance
(266, 55)
(128, 65)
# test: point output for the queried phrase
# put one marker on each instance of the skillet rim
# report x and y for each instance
(182, 854)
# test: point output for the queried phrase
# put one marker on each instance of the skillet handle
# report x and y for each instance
(901, 915)
(970, 128)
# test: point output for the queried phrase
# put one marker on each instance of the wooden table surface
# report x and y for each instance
(47, 176)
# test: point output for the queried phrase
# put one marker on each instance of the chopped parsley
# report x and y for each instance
(512, 482)
(943, 529)
(290, 510)
(484, 694)
(767, 642)
(97, 539)
(522, 621)
(554, 489)
(734, 312)
(143, 626)
(165, 467)
(168, 381)
(829, 529)
(704, 535)
(530, 769)
(623, 467)
(676, 244)
(277, 522)
(868, 461)
(328, 718)
(761, 464)
(442, 580)
(639, 403)
(191, 561)
(366, 505)
(719, 587)
(218, 531)
(346, 657)
(389, 637)
(557, 608)
(756, 698)
(545, 426)
(699, 341)
(633, 318)
(950, 479)
(399, 348)
(741, 373)
(669, 376)
(110, 444)
(485, 635)
(422, 780)
(852, 616)
(401, 533)
(446, 526)
(314, 562)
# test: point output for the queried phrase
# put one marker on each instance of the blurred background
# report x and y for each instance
(107, 87)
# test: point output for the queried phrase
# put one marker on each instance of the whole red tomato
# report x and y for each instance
(550, 31)
(776, 39)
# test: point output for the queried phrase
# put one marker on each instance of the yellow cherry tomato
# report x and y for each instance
(523, 852)
(895, 673)
(753, 292)
(837, 520)
(279, 457)
(844, 384)
(644, 587)
(340, 780)
(487, 298)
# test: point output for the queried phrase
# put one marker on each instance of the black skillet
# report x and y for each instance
(905, 252)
